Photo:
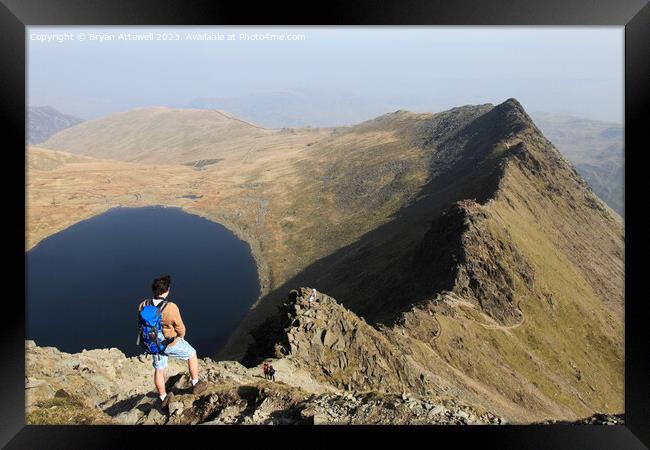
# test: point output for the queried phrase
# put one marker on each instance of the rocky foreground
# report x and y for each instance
(596, 419)
(332, 368)
(103, 386)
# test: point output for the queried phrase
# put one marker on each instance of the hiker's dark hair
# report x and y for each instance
(161, 285)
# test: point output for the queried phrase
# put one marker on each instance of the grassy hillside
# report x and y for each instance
(164, 135)
(37, 158)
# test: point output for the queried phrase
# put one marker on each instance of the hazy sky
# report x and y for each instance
(574, 70)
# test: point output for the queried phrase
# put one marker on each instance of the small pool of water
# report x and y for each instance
(85, 283)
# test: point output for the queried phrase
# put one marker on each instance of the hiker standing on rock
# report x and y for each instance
(271, 373)
(162, 334)
(265, 370)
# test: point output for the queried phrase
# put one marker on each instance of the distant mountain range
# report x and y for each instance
(595, 148)
(45, 121)
(283, 109)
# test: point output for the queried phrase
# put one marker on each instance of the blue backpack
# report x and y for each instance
(151, 337)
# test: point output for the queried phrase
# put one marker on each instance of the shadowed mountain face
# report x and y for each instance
(45, 121)
(465, 240)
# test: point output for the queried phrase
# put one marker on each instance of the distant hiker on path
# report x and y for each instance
(312, 297)
(265, 370)
(271, 373)
(162, 334)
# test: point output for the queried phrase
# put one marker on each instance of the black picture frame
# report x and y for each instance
(15, 15)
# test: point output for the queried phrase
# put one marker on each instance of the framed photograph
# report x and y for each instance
(368, 218)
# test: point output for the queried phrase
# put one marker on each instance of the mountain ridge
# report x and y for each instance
(493, 249)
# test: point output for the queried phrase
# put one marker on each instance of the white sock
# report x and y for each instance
(162, 397)
(195, 381)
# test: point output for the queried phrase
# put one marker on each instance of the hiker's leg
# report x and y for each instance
(183, 350)
(159, 381)
(159, 365)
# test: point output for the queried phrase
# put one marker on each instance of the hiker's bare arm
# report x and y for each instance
(177, 321)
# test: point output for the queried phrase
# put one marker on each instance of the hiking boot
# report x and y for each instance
(199, 387)
(164, 403)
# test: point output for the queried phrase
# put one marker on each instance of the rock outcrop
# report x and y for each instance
(104, 387)
(336, 346)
